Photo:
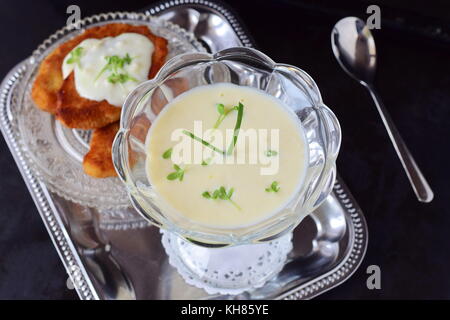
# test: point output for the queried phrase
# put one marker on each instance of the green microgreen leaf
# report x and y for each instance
(223, 112)
(75, 55)
(173, 176)
(221, 108)
(115, 65)
(230, 193)
(271, 153)
(206, 195)
(206, 162)
(222, 194)
(167, 154)
(274, 187)
(237, 127)
(178, 174)
(127, 59)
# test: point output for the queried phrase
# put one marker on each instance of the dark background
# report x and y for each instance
(409, 241)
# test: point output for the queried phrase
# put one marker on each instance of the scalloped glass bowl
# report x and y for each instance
(245, 67)
(56, 152)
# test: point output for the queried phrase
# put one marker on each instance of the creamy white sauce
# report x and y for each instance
(93, 59)
(261, 111)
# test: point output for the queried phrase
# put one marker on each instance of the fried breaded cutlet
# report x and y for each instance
(58, 96)
(98, 161)
(77, 112)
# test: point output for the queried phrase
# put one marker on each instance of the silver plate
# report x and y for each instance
(329, 245)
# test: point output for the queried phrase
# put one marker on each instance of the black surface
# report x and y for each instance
(408, 240)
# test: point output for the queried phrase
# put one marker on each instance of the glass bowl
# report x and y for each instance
(245, 67)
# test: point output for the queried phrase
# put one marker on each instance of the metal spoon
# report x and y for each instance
(354, 48)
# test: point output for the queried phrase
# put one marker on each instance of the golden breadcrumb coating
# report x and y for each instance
(53, 94)
(98, 161)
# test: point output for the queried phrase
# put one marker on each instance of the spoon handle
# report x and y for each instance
(418, 182)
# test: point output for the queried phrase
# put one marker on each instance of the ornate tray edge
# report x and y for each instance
(359, 236)
(40, 194)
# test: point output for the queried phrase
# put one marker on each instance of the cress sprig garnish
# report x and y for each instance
(237, 127)
(222, 194)
(204, 142)
(274, 187)
(75, 56)
(115, 65)
(177, 174)
(223, 112)
(167, 154)
(271, 153)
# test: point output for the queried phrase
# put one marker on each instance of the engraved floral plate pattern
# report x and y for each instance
(56, 152)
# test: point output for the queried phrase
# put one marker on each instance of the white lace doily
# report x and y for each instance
(229, 270)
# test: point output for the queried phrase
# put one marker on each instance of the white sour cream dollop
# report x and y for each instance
(94, 58)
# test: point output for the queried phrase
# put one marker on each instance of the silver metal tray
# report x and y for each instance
(109, 263)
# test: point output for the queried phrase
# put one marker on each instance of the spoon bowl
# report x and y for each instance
(354, 47)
